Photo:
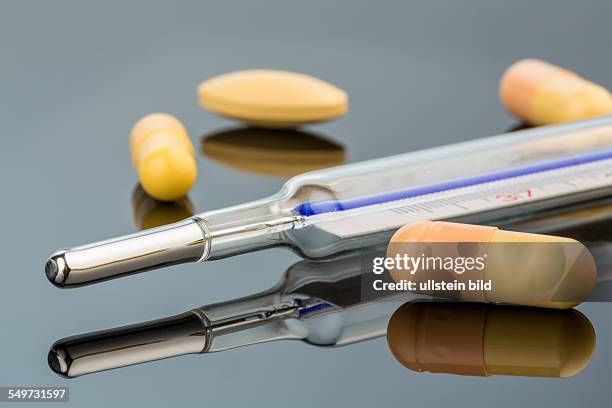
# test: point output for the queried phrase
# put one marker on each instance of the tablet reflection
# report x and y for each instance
(272, 152)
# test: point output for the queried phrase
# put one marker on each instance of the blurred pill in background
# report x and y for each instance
(272, 98)
(524, 269)
(541, 93)
(272, 152)
(483, 340)
(163, 156)
(150, 213)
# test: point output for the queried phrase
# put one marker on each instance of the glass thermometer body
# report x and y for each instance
(330, 211)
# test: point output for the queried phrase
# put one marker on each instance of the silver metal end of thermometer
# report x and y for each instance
(211, 235)
(185, 241)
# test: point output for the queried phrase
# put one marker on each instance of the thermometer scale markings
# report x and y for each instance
(331, 206)
(467, 200)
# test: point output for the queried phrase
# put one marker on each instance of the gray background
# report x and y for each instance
(75, 76)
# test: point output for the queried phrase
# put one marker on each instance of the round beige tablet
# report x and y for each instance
(272, 98)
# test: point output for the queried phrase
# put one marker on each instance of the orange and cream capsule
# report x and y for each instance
(523, 269)
(541, 93)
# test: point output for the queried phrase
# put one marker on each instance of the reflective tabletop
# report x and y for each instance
(75, 77)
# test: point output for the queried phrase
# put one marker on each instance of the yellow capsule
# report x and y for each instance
(163, 156)
(483, 340)
(521, 268)
(271, 98)
(272, 152)
(542, 94)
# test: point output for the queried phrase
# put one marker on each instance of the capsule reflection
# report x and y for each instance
(150, 213)
(483, 340)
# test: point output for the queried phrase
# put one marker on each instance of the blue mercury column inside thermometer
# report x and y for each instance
(322, 207)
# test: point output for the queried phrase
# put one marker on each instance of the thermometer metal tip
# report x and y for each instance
(180, 242)
(56, 268)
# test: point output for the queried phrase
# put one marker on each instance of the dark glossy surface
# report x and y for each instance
(74, 78)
